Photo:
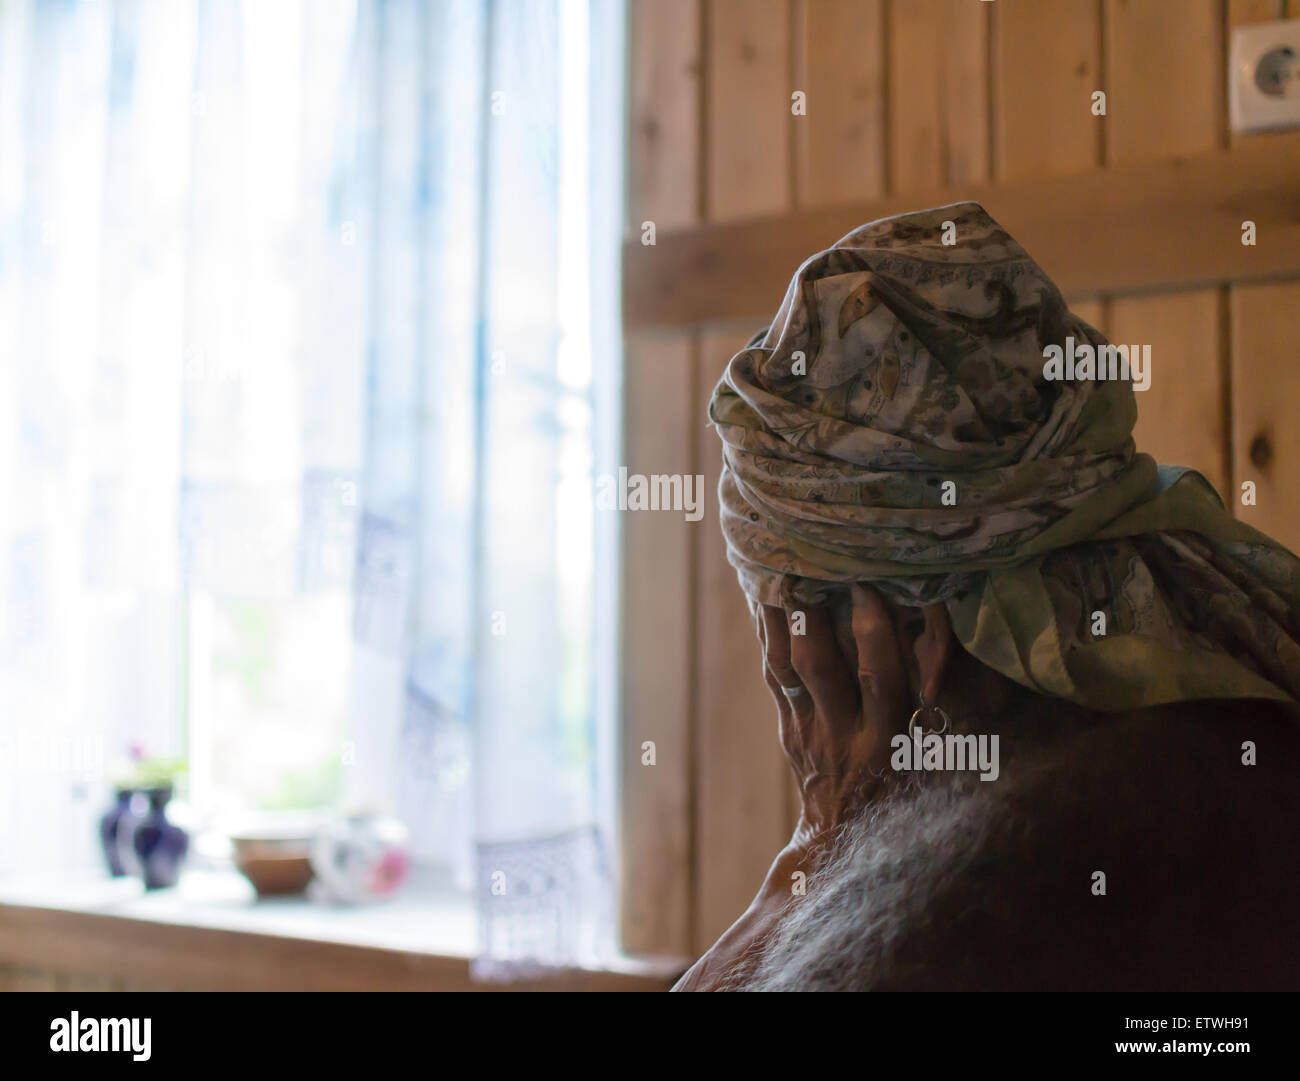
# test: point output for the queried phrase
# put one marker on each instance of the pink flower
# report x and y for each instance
(389, 872)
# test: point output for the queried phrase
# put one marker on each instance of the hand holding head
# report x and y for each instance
(839, 712)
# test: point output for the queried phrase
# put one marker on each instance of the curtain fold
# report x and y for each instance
(299, 327)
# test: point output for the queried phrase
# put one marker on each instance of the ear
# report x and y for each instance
(933, 646)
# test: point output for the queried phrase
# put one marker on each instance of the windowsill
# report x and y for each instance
(211, 933)
(422, 918)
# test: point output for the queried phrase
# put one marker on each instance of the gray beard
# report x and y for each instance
(953, 883)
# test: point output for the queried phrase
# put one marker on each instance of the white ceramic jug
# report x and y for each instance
(361, 857)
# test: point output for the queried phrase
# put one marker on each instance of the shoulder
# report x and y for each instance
(1151, 851)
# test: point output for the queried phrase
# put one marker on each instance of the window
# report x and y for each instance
(309, 359)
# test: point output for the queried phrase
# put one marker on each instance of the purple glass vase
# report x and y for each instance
(110, 826)
(159, 844)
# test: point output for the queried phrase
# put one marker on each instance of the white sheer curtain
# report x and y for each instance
(308, 356)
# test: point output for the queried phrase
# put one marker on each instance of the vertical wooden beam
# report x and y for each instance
(660, 421)
(1181, 417)
(748, 121)
(1046, 65)
(1266, 388)
(1165, 79)
(664, 113)
(742, 776)
(741, 794)
(1243, 13)
(661, 416)
(916, 95)
(839, 62)
(938, 93)
(966, 92)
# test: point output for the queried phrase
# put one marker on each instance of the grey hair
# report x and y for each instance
(953, 883)
(876, 889)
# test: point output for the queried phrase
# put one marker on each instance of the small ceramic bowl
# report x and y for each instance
(276, 866)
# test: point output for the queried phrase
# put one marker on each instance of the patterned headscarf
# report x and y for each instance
(894, 425)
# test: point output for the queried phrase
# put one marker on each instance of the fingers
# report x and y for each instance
(932, 649)
(782, 703)
(882, 679)
(794, 711)
(821, 668)
(878, 691)
(777, 668)
(776, 650)
(776, 645)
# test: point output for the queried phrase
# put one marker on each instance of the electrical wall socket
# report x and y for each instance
(1264, 76)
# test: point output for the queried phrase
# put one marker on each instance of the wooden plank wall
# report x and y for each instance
(900, 95)
(662, 429)
(1263, 389)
